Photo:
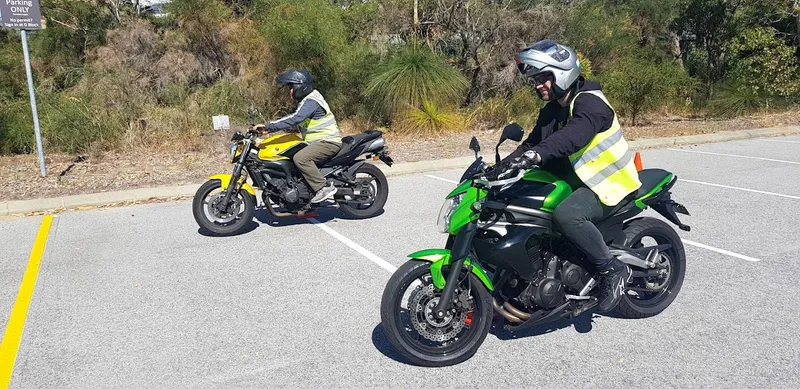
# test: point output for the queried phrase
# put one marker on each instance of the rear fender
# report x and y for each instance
(440, 258)
(660, 199)
(668, 208)
(225, 180)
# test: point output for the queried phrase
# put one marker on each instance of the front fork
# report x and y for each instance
(232, 186)
(237, 171)
(460, 250)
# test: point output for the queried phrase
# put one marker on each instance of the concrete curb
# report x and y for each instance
(95, 199)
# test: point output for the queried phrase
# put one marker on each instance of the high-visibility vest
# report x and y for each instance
(606, 164)
(324, 128)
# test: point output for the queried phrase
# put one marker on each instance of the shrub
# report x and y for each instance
(735, 98)
(429, 121)
(636, 86)
(764, 63)
(308, 34)
(413, 77)
(16, 127)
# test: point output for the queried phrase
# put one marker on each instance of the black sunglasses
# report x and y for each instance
(542, 78)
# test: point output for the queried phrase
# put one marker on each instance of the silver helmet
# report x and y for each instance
(547, 56)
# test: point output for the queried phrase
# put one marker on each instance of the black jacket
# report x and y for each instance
(555, 140)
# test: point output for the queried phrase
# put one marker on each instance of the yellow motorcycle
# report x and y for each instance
(225, 204)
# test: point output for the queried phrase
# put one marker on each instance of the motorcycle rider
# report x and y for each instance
(577, 137)
(318, 128)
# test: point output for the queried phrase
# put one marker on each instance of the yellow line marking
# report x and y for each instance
(16, 322)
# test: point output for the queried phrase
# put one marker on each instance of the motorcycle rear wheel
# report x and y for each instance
(468, 326)
(216, 222)
(653, 295)
(380, 193)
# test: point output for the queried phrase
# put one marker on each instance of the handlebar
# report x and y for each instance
(502, 182)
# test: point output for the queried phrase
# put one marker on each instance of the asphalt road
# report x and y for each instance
(137, 297)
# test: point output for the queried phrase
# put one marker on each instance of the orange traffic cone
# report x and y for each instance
(637, 160)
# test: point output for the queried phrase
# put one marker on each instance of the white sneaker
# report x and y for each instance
(323, 194)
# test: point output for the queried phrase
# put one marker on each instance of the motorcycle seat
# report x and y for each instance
(650, 178)
(349, 144)
(352, 141)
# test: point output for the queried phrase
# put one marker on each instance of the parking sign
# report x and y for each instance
(21, 14)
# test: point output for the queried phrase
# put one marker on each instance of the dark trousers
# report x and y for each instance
(576, 216)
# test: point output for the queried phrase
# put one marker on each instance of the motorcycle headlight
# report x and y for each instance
(234, 148)
(443, 221)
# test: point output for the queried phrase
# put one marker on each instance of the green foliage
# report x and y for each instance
(104, 82)
(764, 63)
(410, 78)
(360, 20)
(359, 62)
(428, 121)
(711, 22)
(306, 34)
(16, 127)
(73, 28)
(13, 85)
(522, 107)
(653, 18)
(600, 34)
(586, 66)
(734, 98)
(636, 85)
(199, 12)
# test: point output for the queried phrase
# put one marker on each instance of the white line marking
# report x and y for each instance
(689, 242)
(441, 179)
(353, 245)
(736, 156)
(721, 251)
(778, 141)
(744, 189)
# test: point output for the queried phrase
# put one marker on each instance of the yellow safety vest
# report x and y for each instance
(324, 128)
(606, 164)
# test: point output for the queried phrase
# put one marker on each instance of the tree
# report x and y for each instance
(763, 62)
(711, 24)
(483, 37)
(637, 85)
(602, 34)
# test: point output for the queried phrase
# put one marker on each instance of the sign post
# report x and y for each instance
(25, 15)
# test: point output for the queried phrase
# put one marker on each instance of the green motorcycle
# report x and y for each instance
(504, 254)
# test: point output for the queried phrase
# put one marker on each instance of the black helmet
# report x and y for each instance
(298, 80)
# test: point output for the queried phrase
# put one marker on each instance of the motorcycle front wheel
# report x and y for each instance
(410, 326)
(211, 215)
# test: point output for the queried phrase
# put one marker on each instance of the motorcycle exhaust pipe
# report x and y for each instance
(508, 315)
(516, 312)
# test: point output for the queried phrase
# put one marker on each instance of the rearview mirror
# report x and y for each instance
(475, 146)
(513, 131)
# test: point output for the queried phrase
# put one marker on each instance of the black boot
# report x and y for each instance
(615, 275)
